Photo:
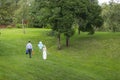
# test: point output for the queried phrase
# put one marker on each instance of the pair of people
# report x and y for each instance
(42, 47)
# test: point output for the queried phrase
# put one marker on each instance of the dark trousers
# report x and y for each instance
(30, 53)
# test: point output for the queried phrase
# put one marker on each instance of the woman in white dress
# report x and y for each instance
(44, 52)
(40, 45)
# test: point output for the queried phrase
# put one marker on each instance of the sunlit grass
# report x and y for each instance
(89, 57)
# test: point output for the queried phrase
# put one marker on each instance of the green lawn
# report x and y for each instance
(89, 57)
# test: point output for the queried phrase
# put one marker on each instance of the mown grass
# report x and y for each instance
(89, 57)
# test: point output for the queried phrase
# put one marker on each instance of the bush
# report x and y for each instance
(48, 26)
(51, 33)
(9, 27)
(18, 25)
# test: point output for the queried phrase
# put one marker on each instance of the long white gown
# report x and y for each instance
(44, 53)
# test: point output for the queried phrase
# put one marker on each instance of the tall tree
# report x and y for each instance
(22, 13)
(81, 14)
(62, 13)
(40, 13)
(7, 8)
(63, 19)
(92, 18)
(111, 13)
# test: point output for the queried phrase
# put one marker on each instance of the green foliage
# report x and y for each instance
(48, 26)
(62, 18)
(23, 11)
(7, 8)
(111, 13)
(18, 25)
(93, 18)
(61, 15)
(87, 16)
(9, 27)
(39, 14)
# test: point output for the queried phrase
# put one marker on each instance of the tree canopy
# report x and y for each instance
(61, 15)
(7, 13)
(110, 14)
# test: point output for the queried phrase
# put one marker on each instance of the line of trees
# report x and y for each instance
(62, 15)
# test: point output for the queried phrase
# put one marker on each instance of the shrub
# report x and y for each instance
(9, 27)
(18, 25)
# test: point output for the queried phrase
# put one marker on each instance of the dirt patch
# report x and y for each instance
(3, 26)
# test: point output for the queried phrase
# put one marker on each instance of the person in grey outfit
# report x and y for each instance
(29, 49)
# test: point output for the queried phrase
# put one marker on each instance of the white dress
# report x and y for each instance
(44, 53)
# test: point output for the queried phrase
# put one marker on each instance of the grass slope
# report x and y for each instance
(95, 57)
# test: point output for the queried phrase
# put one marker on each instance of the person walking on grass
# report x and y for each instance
(29, 49)
(40, 45)
(44, 52)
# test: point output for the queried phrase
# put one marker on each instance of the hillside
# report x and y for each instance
(89, 57)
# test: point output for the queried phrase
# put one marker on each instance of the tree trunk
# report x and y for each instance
(79, 31)
(59, 46)
(0, 32)
(67, 41)
(23, 26)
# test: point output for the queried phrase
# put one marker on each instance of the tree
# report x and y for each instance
(22, 13)
(48, 12)
(80, 14)
(63, 19)
(6, 13)
(91, 18)
(61, 14)
(111, 13)
(40, 13)
(94, 19)
(114, 17)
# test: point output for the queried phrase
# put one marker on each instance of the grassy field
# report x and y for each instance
(89, 57)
